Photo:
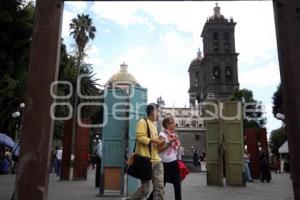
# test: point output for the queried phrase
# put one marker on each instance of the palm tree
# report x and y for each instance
(82, 30)
(89, 87)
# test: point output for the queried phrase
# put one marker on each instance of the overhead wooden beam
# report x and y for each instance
(171, 0)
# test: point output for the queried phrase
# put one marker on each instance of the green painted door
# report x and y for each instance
(224, 140)
(113, 140)
(214, 153)
(138, 103)
(214, 150)
(234, 144)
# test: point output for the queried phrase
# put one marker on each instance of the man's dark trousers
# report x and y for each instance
(98, 171)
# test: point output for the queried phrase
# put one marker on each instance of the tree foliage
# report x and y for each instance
(278, 102)
(89, 87)
(82, 30)
(16, 22)
(255, 118)
(277, 138)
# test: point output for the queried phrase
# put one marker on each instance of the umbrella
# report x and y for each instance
(6, 140)
(16, 149)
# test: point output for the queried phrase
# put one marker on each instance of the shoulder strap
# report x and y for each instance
(148, 131)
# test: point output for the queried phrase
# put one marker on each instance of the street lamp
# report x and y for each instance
(280, 116)
(18, 115)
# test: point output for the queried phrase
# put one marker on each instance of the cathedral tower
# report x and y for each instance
(215, 75)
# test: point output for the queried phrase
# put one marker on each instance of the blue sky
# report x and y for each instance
(158, 40)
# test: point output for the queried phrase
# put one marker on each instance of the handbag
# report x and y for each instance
(183, 170)
(140, 167)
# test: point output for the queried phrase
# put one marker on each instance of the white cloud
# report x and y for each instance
(93, 56)
(77, 7)
(67, 17)
(123, 13)
(134, 57)
(260, 77)
(107, 31)
(272, 122)
(177, 48)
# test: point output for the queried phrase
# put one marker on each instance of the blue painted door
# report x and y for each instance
(137, 104)
(113, 140)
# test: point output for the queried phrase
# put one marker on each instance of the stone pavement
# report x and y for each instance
(194, 188)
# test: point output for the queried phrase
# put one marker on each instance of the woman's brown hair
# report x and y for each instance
(166, 121)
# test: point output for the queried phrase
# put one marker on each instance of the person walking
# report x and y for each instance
(58, 158)
(98, 157)
(142, 142)
(264, 167)
(169, 154)
(196, 158)
(247, 168)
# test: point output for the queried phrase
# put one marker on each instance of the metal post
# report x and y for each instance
(287, 20)
(34, 164)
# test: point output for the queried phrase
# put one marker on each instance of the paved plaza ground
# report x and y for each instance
(194, 188)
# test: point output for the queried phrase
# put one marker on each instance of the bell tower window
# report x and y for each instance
(228, 73)
(216, 47)
(226, 36)
(215, 35)
(226, 47)
(216, 73)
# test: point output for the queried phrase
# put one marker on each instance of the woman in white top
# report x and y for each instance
(168, 154)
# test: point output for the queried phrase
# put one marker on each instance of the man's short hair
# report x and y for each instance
(151, 107)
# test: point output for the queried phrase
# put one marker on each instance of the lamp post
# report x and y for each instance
(18, 115)
(161, 104)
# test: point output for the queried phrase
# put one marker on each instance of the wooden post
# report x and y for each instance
(82, 151)
(67, 146)
(33, 170)
(252, 148)
(287, 21)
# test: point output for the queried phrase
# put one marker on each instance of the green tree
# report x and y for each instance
(278, 102)
(88, 87)
(277, 138)
(16, 22)
(254, 119)
(82, 30)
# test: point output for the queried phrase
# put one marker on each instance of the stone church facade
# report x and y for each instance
(189, 127)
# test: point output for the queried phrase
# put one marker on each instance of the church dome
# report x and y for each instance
(123, 77)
